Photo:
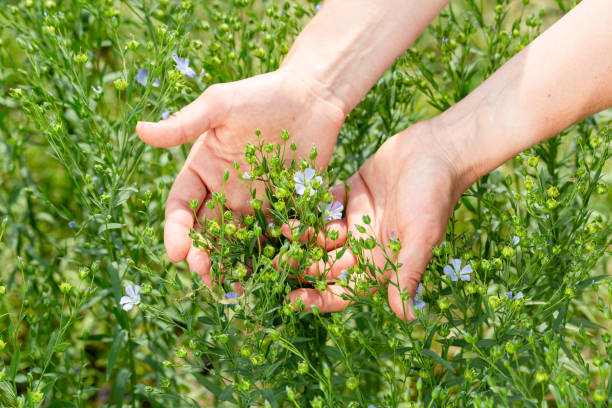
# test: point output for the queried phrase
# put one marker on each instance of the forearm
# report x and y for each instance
(349, 44)
(563, 76)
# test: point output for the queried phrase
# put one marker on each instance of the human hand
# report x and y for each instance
(223, 119)
(408, 189)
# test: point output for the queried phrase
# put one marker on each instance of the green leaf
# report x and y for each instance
(111, 226)
(207, 383)
(119, 386)
(61, 347)
(433, 356)
(226, 395)
(14, 364)
(118, 342)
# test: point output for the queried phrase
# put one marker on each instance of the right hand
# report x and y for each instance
(409, 189)
(224, 119)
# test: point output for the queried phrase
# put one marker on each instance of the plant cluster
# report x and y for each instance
(513, 309)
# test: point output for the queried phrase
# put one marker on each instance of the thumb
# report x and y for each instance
(185, 125)
(413, 262)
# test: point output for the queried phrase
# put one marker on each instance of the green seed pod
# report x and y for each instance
(352, 383)
(213, 227)
(541, 377)
(395, 245)
(256, 204)
(181, 352)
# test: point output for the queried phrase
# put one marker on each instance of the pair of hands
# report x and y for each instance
(408, 188)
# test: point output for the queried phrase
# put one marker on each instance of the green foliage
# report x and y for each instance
(83, 203)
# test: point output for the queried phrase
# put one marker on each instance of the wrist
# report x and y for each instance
(348, 45)
(316, 88)
(486, 128)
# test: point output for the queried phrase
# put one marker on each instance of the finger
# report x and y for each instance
(334, 265)
(179, 216)
(413, 262)
(323, 237)
(198, 258)
(185, 125)
(199, 262)
(334, 299)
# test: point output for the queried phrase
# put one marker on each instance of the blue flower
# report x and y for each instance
(419, 303)
(72, 224)
(515, 240)
(142, 77)
(230, 296)
(318, 7)
(305, 179)
(518, 295)
(182, 65)
(101, 191)
(155, 83)
(331, 211)
(456, 272)
(97, 89)
(343, 277)
(165, 115)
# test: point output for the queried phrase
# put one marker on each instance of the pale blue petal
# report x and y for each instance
(299, 177)
(465, 273)
(189, 72)
(419, 304)
(309, 174)
(450, 272)
(456, 264)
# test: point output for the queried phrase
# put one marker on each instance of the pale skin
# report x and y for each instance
(538, 93)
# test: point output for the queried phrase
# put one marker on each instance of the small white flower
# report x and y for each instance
(515, 240)
(456, 272)
(182, 65)
(305, 179)
(331, 211)
(132, 299)
(419, 303)
(97, 89)
(246, 175)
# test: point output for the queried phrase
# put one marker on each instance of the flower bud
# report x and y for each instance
(120, 84)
